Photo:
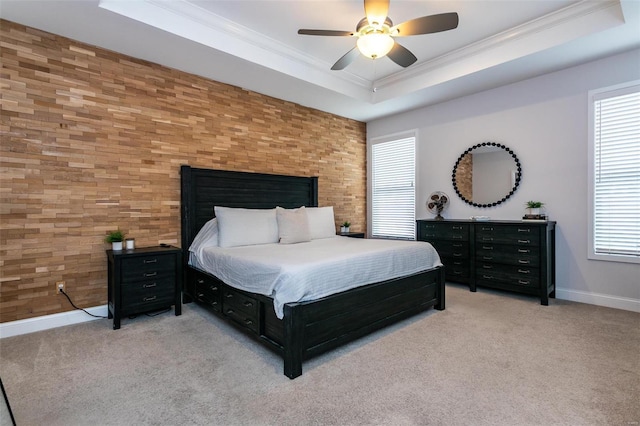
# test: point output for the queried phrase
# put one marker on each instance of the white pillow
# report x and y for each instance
(293, 225)
(206, 237)
(246, 227)
(321, 222)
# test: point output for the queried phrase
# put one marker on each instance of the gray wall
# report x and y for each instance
(544, 121)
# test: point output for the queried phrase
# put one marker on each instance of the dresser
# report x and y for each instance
(142, 280)
(516, 256)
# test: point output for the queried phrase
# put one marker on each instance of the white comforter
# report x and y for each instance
(314, 269)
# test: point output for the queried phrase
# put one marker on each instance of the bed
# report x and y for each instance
(297, 330)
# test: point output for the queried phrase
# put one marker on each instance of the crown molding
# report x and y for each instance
(188, 20)
(553, 29)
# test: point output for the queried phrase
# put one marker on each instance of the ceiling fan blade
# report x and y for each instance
(326, 33)
(376, 10)
(346, 59)
(428, 24)
(401, 55)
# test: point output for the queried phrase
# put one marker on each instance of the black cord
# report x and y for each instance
(80, 309)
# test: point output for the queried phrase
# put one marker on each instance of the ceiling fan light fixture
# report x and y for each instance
(375, 45)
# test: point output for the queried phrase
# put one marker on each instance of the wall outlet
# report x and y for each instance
(59, 286)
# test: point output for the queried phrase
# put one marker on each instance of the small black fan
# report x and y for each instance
(376, 34)
(437, 203)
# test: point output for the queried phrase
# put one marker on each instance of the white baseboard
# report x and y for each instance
(623, 303)
(45, 322)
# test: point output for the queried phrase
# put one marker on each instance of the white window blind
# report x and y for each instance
(393, 173)
(616, 173)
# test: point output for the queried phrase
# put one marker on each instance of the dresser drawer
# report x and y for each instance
(453, 249)
(521, 235)
(208, 291)
(444, 231)
(455, 269)
(502, 253)
(518, 275)
(146, 267)
(241, 308)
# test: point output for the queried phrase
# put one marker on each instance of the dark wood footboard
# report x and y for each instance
(311, 328)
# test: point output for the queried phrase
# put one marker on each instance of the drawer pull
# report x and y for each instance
(149, 285)
(487, 239)
(151, 274)
(457, 254)
(524, 230)
(487, 266)
(456, 245)
(487, 257)
(149, 299)
(200, 281)
(487, 277)
(150, 260)
(523, 282)
(248, 321)
(524, 251)
(524, 241)
(456, 237)
(457, 263)
(456, 227)
(230, 311)
(524, 262)
(487, 247)
(429, 235)
(247, 304)
(524, 271)
(213, 288)
(490, 228)
(228, 295)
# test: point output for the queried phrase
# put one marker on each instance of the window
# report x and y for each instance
(614, 178)
(393, 194)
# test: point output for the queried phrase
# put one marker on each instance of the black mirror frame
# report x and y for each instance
(515, 186)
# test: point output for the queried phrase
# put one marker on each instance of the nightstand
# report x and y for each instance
(142, 280)
(352, 234)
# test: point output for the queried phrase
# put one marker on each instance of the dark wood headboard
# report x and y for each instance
(202, 189)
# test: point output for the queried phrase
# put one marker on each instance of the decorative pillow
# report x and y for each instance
(206, 237)
(293, 225)
(321, 222)
(246, 227)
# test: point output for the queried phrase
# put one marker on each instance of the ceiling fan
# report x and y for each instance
(375, 34)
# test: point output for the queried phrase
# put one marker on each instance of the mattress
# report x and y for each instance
(314, 269)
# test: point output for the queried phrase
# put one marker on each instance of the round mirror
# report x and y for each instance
(486, 174)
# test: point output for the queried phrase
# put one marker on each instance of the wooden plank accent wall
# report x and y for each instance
(93, 140)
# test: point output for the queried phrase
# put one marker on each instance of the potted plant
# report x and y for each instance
(534, 207)
(344, 229)
(115, 238)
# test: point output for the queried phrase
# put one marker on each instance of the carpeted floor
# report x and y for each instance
(489, 359)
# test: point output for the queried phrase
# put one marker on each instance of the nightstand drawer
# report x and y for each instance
(146, 267)
(141, 301)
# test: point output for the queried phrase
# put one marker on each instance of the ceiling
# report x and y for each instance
(254, 44)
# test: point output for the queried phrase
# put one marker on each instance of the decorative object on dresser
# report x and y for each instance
(516, 256)
(533, 211)
(344, 229)
(143, 280)
(486, 174)
(305, 328)
(115, 238)
(438, 201)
